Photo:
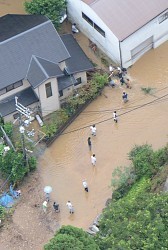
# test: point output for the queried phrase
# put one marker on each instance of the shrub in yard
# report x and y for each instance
(8, 127)
(12, 166)
(32, 161)
(2, 212)
(84, 94)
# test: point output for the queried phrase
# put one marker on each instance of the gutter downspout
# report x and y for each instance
(120, 54)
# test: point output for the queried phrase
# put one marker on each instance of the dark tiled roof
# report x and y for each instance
(65, 82)
(26, 97)
(78, 61)
(41, 70)
(15, 54)
(12, 25)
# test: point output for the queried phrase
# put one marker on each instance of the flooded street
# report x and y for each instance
(11, 7)
(66, 163)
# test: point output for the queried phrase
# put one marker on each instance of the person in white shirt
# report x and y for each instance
(74, 29)
(111, 69)
(93, 130)
(115, 117)
(93, 160)
(45, 206)
(70, 207)
(85, 185)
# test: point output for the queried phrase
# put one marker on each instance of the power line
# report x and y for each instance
(143, 105)
(48, 110)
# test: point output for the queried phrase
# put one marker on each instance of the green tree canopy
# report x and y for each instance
(69, 237)
(49, 8)
(138, 224)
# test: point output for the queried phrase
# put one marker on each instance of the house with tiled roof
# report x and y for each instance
(37, 65)
(123, 29)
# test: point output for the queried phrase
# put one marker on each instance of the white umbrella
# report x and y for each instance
(47, 189)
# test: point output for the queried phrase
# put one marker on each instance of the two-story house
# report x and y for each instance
(37, 65)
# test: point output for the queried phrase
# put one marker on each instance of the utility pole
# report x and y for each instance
(26, 112)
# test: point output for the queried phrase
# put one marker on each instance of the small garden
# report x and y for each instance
(74, 104)
(13, 167)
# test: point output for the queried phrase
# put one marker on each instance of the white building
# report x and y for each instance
(123, 29)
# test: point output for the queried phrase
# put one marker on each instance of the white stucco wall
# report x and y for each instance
(109, 44)
(153, 28)
(52, 103)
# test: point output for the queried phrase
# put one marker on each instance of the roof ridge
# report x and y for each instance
(40, 65)
(24, 32)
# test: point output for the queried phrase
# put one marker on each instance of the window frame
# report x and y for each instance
(48, 87)
(18, 84)
(10, 87)
(87, 19)
(61, 93)
(79, 81)
(2, 90)
(102, 32)
(163, 17)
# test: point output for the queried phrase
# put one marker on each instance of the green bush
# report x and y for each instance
(69, 237)
(49, 8)
(142, 159)
(137, 224)
(73, 102)
(122, 180)
(12, 165)
(2, 212)
(32, 163)
(8, 127)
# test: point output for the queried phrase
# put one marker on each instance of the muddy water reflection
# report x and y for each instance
(11, 7)
(67, 162)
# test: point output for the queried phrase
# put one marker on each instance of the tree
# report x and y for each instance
(12, 167)
(50, 8)
(69, 237)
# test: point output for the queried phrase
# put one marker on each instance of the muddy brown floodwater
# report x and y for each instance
(67, 161)
(11, 7)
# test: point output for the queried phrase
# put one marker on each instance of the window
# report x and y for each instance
(9, 88)
(163, 17)
(96, 27)
(18, 84)
(99, 29)
(78, 81)
(60, 93)
(2, 91)
(48, 89)
(87, 19)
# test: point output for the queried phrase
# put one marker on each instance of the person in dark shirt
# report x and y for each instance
(56, 207)
(125, 97)
(89, 143)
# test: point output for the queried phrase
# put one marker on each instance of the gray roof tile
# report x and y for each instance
(15, 53)
(65, 82)
(13, 24)
(25, 97)
(78, 61)
(41, 70)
